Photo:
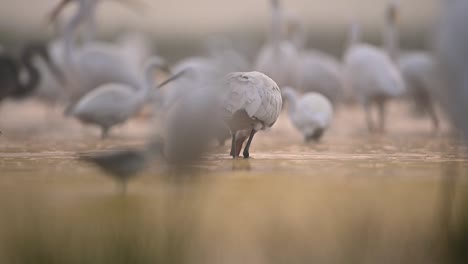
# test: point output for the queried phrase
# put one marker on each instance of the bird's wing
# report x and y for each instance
(110, 97)
(271, 101)
(241, 94)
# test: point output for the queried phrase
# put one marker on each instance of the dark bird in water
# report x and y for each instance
(11, 83)
(125, 165)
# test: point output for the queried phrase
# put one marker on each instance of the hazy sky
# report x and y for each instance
(206, 16)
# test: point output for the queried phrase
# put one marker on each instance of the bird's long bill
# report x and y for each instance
(172, 78)
(57, 10)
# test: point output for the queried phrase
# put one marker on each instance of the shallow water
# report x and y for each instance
(290, 203)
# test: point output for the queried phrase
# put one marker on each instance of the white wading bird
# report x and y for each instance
(310, 113)
(317, 71)
(252, 103)
(95, 63)
(114, 103)
(278, 58)
(371, 72)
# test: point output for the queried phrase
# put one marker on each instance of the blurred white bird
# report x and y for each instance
(278, 58)
(253, 102)
(310, 113)
(94, 63)
(135, 46)
(114, 103)
(317, 71)
(371, 72)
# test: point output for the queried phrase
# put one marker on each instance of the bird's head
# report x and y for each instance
(288, 93)
(392, 10)
(275, 3)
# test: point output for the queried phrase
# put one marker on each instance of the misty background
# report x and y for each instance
(180, 27)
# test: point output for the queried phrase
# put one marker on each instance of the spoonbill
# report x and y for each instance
(252, 102)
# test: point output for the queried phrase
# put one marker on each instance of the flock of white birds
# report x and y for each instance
(108, 83)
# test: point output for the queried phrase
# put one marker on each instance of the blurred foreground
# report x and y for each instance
(354, 198)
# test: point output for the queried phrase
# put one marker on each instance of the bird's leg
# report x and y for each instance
(316, 136)
(247, 147)
(381, 106)
(432, 113)
(233, 144)
(367, 112)
(104, 132)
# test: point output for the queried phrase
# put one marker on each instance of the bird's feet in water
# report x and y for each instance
(316, 136)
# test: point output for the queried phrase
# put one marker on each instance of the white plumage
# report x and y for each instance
(370, 71)
(311, 70)
(279, 61)
(319, 72)
(310, 113)
(114, 103)
(372, 74)
(373, 77)
(278, 58)
(252, 102)
(94, 63)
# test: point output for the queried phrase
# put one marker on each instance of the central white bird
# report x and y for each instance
(311, 113)
(372, 73)
(252, 102)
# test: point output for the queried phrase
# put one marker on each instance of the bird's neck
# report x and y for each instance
(85, 13)
(32, 72)
(354, 35)
(291, 97)
(276, 26)
(391, 39)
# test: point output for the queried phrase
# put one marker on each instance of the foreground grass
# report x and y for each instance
(226, 220)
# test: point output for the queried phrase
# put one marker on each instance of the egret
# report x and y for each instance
(114, 103)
